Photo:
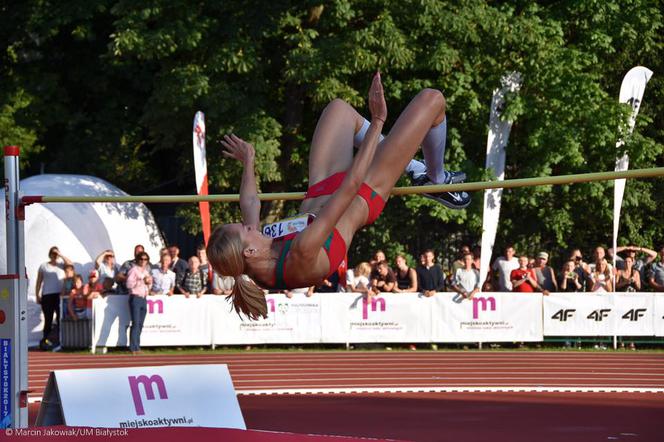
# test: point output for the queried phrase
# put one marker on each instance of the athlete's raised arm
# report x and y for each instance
(314, 236)
(250, 205)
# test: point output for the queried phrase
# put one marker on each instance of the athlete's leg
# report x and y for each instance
(425, 111)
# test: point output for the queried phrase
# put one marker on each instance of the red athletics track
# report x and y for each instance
(438, 396)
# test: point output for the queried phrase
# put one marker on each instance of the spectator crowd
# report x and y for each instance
(637, 269)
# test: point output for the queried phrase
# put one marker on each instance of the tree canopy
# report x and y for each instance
(110, 87)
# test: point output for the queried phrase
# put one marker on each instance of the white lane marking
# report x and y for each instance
(436, 389)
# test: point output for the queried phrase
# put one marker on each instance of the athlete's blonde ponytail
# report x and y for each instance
(225, 254)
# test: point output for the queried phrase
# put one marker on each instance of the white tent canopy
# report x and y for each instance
(81, 231)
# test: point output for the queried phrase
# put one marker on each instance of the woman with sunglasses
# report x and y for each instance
(139, 283)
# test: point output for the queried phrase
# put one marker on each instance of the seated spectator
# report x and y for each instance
(546, 277)
(222, 285)
(384, 279)
(628, 278)
(524, 279)
(163, 278)
(601, 279)
(503, 266)
(656, 275)
(77, 305)
(94, 288)
(122, 275)
(201, 253)
(193, 281)
(178, 265)
(106, 266)
(361, 282)
(467, 280)
(430, 277)
(570, 280)
(406, 276)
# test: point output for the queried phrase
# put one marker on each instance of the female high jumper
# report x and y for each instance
(349, 193)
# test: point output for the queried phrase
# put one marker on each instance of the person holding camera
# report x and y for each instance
(139, 283)
(570, 279)
(581, 268)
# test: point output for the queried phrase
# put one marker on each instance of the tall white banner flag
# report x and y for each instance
(631, 92)
(499, 132)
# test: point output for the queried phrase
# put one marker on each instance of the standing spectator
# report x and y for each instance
(406, 276)
(546, 277)
(222, 285)
(48, 287)
(601, 278)
(163, 278)
(599, 254)
(430, 278)
(94, 287)
(640, 264)
(458, 263)
(467, 280)
(77, 303)
(193, 281)
(106, 265)
(361, 282)
(628, 278)
(201, 253)
(68, 282)
(503, 266)
(384, 280)
(122, 275)
(477, 257)
(138, 283)
(524, 278)
(570, 280)
(178, 265)
(580, 267)
(656, 276)
(378, 257)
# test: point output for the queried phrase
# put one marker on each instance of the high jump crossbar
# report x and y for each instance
(410, 190)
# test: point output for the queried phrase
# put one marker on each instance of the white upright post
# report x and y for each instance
(13, 305)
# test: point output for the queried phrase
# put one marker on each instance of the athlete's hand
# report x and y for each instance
(236, 147)
(377, 104)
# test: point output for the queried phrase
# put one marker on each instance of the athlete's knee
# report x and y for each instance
(434, 98)
(337, 105)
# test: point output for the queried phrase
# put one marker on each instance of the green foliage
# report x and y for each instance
(110, 88)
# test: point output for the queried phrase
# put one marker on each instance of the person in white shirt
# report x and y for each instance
(50, 277)
(163, 279)
(503, 266)
(467, 280)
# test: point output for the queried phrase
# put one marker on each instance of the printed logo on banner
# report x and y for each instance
(564, 314)
(599, 314)
(6, 387)
(146, 382)
(480, 302)
(376, 303)
(152, 303)
(270, 304)
(635, 314)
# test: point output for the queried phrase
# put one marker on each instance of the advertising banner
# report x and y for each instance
(634, 314)
(578, 314)
(290, 320)
(173, 320)
(142, 397)
(388, 317)
(488, 317)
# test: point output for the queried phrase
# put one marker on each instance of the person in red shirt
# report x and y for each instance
(524, 279)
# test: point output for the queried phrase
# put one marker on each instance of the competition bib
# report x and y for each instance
(288, 225)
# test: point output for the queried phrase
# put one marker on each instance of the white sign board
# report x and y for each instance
(658, 316)
(142, 397)
(634, 314)
(578, 314)
(388, 317)
(488, 317)
(289, 320)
